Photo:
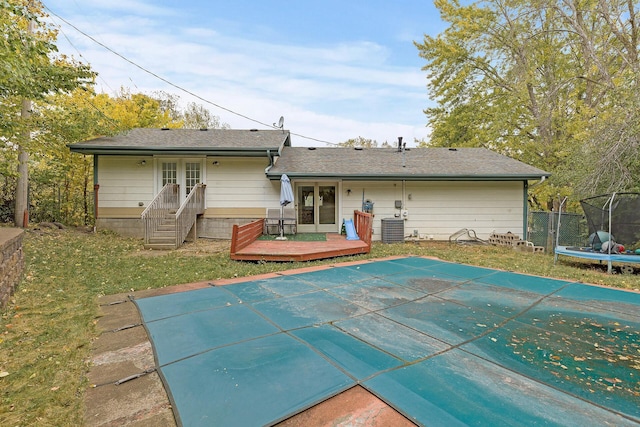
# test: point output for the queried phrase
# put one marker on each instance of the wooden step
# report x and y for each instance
(156, 239)
(164, 234)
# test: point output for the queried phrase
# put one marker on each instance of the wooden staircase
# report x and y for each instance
(166, 225)
(164, 236)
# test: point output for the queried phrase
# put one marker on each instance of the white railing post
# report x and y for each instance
(159, 208)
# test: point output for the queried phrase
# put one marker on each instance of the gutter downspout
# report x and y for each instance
(404, 198)
(525, 209)
(271, 162)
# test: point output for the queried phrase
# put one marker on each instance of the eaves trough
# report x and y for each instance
(401, 177)
(149, 151)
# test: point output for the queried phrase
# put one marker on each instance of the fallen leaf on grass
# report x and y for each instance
(4, 374)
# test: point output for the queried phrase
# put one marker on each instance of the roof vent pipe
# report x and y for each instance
(399, 143)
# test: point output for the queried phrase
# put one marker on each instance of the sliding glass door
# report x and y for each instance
(317, 207)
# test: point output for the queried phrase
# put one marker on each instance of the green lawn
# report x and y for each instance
(47, 330)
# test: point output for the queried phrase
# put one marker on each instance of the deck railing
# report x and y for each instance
(243, 235)
(364, 226)
(163, 205)
(187, 214)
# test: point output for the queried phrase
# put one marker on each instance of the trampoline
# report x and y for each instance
(589, 253)
(613, 220)
(442, 343)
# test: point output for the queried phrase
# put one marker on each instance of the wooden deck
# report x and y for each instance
(245, 247)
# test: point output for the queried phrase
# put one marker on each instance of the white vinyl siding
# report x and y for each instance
(439, 209)
(238, 188)
(124, 181)
(240, 183)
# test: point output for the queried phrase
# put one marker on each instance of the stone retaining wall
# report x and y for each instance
(11, 262)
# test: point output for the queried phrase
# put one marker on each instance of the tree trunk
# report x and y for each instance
(21, 215)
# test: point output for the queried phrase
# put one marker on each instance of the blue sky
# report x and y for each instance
(334, 69)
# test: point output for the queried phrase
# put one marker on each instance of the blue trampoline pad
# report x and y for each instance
(255, 383)
(459, 389)
(162, 306)
(355, 357)
(183, 336)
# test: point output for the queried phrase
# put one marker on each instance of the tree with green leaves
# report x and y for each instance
(196, 116)
(193, 116)
(62, 182)
(30, 71)
(363, 143)
(47, 102)
(552, 83)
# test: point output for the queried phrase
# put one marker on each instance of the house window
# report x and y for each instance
(192, 175)
(169, 173)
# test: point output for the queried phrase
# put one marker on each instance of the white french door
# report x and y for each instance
(185, 172)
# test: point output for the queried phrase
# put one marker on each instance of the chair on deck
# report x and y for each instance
(289, 220)
(272, 222)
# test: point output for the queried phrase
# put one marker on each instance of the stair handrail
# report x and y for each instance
(159, 208)
(188, 212)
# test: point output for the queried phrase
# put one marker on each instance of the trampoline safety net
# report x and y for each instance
(618, 212)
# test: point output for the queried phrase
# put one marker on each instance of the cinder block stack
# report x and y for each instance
(513, 240)
(506, 239)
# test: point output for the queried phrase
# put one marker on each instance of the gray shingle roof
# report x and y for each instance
(177, 141)
(304, 162)
(414, 164)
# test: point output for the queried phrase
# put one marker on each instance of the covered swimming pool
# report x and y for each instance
(442, 343)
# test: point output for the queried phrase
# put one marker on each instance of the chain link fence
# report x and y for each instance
(543, 227)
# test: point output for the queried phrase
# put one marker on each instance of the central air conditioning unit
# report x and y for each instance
(392, 230)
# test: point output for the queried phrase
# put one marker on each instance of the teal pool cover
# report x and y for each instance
(445, 344)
